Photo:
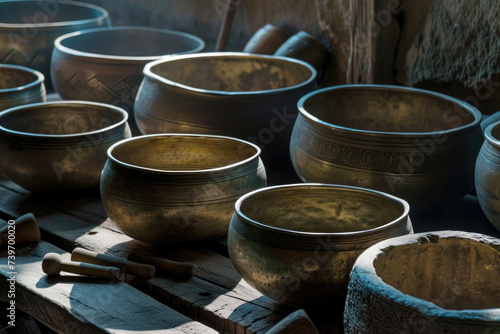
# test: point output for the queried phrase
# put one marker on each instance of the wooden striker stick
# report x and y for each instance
(129, 267)
(164, 265)
(53, 264)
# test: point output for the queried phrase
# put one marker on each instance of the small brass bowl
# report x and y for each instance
(487, 175)
(174, 188)
(105, 64)
(29, 28)
(20, 85)
(414, 144)
(433, 282)
(247, 96)
(59, 146)
(297, 243)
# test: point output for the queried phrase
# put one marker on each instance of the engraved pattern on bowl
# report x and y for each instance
(178, 188)
(417, 145)
(297, 243)
(29, 28)
(59, 146)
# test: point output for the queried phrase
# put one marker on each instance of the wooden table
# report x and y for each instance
(215, 300)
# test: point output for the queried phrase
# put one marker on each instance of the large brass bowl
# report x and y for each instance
(247, 96)
(415, 144)
(297, 243)
(105, 64)
(59, 146)
(434, 282)
(174, 188)
(29, 28)
(20, 85)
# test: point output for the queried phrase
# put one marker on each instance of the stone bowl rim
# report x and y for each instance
(366, 272)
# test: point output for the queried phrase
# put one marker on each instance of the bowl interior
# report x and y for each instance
(131, 42)
(61, 119)
(495, 132)
(387, 110)
(33, 12)
(12, 78)
(454, 273)
(233, 73)
(182, 153)
(322, 209)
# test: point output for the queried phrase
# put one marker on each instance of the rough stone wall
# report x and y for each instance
(452, 46)
(460, 40)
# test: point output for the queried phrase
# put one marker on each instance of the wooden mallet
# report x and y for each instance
(21, 230)
(53, 264)
(164, 265)
(129, 267)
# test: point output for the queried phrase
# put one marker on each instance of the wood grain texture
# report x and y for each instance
(217, 296)
(75, 304)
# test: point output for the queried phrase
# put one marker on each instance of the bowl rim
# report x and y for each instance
(367, 273)
(265, 227)
(62, 104)
(181, 172)
(76, 53)
(488, 134)
(218, 55)
(104, 14)
(40, 78)
(471, 109)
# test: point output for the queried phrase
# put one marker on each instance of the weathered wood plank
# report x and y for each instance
(217, 297)
(76, 304)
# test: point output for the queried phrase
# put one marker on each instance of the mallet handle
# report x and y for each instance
(129, 267)
(90, 269)
(164, 265)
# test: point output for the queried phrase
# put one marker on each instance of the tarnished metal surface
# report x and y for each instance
(297, 243)
(247, 96)
(59, 146)
(487, 175)
(173, 188)
(105, 64)
(20, 85)
(415, 144)
(28, 29)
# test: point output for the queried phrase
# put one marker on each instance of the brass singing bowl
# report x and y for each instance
(105, 64)
(436, 282)
(297, 243)
(28, 29)
(415, 144)
(487, 174)
(59, 146)
(20, 85)
(173, 188)
(247, 96)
